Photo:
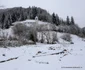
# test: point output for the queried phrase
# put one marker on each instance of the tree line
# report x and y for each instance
(10, 15)
(57, 21)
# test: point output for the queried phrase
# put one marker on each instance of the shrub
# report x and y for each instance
(83, 32)
(55, 39)
(12, 38)
(20, 29)
(72, 29)
(25, 33)
(42, 38)
(66, 37)
(49, 37)
(33, 34)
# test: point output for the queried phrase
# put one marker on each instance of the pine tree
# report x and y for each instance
(7, 22)
(13, 17)
(68, 20)
(53, 18)
(34, 12)
(2, 21)
(72, 21)
(62, 22)
(57, 20)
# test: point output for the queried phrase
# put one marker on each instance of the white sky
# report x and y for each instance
(75, 8)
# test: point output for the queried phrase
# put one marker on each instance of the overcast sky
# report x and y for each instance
(63, 8)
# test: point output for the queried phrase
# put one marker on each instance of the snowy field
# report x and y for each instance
(61, 56)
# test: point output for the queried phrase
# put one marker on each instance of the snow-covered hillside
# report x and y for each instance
(61, 56)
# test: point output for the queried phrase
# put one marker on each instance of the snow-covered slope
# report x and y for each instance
(62, 56)
(28, 21)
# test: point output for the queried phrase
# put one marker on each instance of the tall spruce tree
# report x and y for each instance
(2, 21)
(57, 20)
(68, 20)
(72, 21)
(53, 18)
(34, 12)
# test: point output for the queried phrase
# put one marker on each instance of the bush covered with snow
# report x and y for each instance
(49, 37)
(66, 37)
(24, 33)
(72, 29)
